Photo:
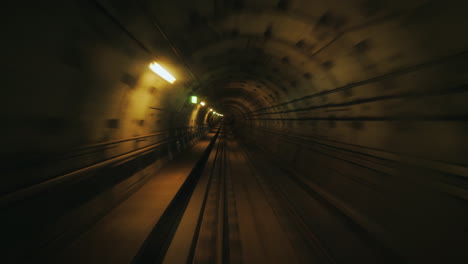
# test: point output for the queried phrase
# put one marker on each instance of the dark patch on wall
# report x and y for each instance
(325, 20)
(285, 60)
(340, 22)
(331, 122)
(365, 108)
(362, 47)
(152, 90)
(300, 44)
(141, 122)
(128, 80)
(268, 32)
(294, 83)
(283, 5)
(275, 69)
(348, 92)
(113, 123)
(328, 19)
(327, 65)
(357, 125)
(307, 76)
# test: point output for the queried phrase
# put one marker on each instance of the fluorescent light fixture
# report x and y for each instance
(211, 110)
(193, 99)
(156, 68)
(202, 103)
(214, 113)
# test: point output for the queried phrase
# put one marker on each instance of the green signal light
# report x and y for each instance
(194, 99)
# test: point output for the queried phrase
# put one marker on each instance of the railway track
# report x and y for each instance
(250, 211)
(235, 220)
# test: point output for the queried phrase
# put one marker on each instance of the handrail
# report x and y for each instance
(102, 144)
(47, 184)
(120, 140)
(128, 139)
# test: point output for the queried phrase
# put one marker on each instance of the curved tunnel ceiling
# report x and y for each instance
(278, 51)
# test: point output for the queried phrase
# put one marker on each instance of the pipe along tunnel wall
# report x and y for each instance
(363, 100)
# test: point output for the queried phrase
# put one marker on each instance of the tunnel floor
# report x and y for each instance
(222, 201)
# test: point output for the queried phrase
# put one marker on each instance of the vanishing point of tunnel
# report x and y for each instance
(234, 131)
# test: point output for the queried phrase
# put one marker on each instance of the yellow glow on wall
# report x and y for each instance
(156, 68)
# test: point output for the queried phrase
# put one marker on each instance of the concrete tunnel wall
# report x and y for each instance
(366, 98)
(74, 80)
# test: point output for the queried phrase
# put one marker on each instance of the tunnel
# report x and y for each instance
(234, 131)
